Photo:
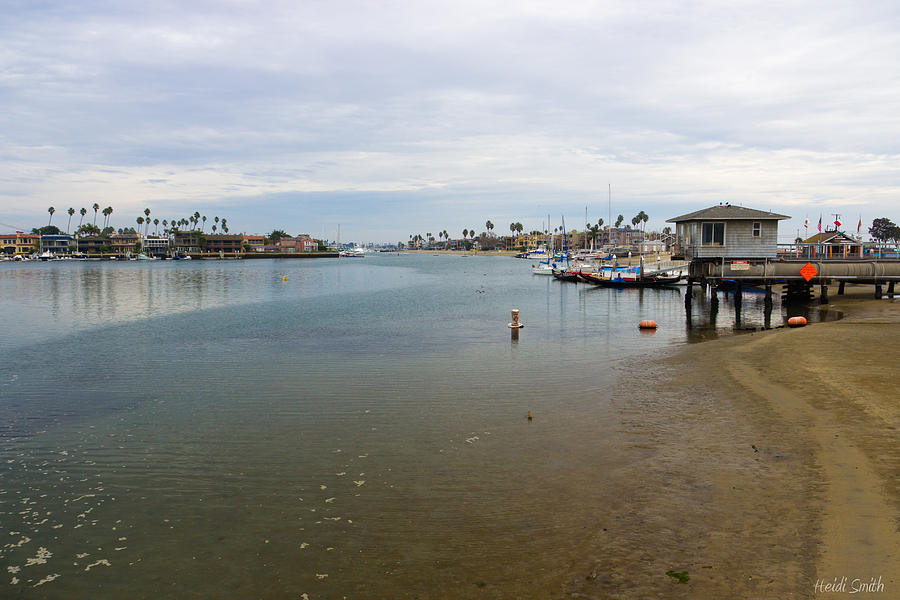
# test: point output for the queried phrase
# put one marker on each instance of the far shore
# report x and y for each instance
(769, 463)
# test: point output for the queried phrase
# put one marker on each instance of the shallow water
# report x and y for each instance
(212, 429)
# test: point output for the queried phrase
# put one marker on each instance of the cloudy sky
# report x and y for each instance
(395, 118)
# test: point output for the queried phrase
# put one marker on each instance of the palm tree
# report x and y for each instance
(96, 208)
(83, 212)
(619, 220)
(465, 233)
(224, 225)
(214, 228)
(489, 226)
(50, 210)
(197, 219)
(71, 212)
(204, 223)
(109, 212)
(156, 222)
(140, 221)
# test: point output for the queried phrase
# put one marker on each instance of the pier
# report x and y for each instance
(799, 277)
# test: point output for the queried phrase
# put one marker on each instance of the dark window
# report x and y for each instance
(713, 234)
(757, 228)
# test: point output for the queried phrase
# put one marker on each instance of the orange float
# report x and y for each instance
(647, 324)
(796, 321)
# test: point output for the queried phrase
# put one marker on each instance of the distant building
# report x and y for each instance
(301, 243)
(224, 242)
(155, 246)
(620, 237)
(18, 243)
(186, 242)
(726, 231)
(94, 244)
(651, 246)
(833, 244)
(57, 244)
(257, 243)
(124, 243)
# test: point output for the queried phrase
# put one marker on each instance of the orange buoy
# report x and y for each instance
(796, 321)
(647, 324)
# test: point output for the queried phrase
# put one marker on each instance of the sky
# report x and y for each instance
(389, 119)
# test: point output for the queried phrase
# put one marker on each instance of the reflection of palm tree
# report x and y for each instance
(71, 212)
(50, 210)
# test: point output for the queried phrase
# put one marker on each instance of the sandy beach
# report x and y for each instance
(767, 465)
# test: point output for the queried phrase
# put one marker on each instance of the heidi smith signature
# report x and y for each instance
(845, 585)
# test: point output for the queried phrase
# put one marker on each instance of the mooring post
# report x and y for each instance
(841, 288)
(714, 300)
(738, 294)
(891, 290)
(688, 292)
(878, 291)
(823, 298)
(768, 300)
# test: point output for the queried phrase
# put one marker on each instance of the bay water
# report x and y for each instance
(314, 428)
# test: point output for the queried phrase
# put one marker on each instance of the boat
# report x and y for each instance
(181, 256)
(353, 253)
(628, 278)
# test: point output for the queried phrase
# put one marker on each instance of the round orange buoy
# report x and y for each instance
(647, 324)
(796, 321)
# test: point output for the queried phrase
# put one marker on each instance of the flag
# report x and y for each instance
(820, 223)
(837, 223)
(859, 225)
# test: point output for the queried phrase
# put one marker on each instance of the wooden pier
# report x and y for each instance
(799, 278)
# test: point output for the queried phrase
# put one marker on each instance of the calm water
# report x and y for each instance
(211, 429)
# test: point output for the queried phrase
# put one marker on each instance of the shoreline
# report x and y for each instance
(768, 463)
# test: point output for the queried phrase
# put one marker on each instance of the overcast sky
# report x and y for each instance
(396, 118)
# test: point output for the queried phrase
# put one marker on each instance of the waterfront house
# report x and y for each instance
(94, 244)
(223, 242)
(301, 243)
(57, 244)
(124, 243)
(256, 242)
(726, 231)
(155, 246)
(8, 242)
(186, 241)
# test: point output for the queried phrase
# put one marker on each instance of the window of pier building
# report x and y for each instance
(713, 234)
(757, 229)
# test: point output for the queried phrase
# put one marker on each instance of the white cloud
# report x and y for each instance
(511, 108)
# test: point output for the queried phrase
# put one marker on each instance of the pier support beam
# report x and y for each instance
(823, 294)
(841, 288)
(891, 290)
(878, 291)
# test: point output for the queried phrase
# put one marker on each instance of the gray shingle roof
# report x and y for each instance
(725, 212)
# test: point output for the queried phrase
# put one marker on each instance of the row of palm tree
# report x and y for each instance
(516, 228)
(196, 221)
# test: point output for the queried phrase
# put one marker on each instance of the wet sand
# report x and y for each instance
(768, 462)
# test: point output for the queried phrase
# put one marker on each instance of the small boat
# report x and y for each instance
(181, 256)
(628, 279)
